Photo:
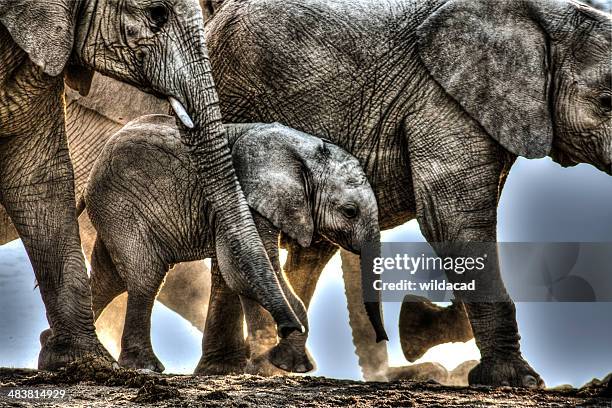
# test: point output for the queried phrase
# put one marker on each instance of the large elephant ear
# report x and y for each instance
(42, 28)
(493, 57)
(271, 171)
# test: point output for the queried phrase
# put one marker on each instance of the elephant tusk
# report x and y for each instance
(180, 111)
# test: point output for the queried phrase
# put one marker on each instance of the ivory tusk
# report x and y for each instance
(180, 111)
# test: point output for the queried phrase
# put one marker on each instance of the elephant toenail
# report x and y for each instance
(301, 368)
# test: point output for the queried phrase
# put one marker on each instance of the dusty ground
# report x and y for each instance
(92, 385)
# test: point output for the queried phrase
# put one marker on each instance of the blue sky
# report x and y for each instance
(564, 342)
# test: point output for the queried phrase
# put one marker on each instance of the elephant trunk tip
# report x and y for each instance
(374, 314)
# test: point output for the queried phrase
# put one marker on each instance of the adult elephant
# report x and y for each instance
(372, 357)
(158, 47)
(436, 99)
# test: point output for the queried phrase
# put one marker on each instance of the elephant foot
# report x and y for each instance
(225, 366)
(58, 351)
(419, 372)
(290, 357)
(513, 372)
(424, 325)
(140, 358)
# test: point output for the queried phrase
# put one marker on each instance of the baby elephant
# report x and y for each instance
(145, 199)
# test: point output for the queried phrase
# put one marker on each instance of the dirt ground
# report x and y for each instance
(94, 385)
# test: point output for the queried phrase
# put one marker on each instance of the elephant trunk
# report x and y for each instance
(240, 252)
(175, 65)
(369, 251)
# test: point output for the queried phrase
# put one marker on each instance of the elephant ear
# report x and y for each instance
(42, 28)
(493, 57)
(271, 172)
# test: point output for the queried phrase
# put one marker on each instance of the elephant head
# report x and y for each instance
(311, 188)
(159, 47)
(535, 74)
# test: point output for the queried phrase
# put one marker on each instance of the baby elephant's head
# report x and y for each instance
(306, 187)
(345, 209)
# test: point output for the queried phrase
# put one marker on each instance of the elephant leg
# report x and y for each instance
(458, 207)
(185, 291)
(304, 266)
(423, 325)
(493, 322)
(496, 332)
(143, 282)
(302, 270)
(223, 346)
(37, 191)
(261, 339)
(373, 357)
(106, 283)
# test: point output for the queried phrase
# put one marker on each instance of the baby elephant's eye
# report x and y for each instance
(159, 16)
(605, 101)
(350, 211)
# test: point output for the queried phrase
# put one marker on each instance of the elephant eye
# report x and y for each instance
(349, 211)
(159, 16)
(605, 101)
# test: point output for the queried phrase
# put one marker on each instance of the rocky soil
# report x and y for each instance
(91, 384)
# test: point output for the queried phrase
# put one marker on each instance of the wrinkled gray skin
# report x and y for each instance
(435, 99)
(91, 121)
(139, 187)
(315, 97)
(158, 47)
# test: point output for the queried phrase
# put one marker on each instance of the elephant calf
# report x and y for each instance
(150, 212)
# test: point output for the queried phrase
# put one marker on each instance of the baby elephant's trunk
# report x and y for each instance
(371, 297)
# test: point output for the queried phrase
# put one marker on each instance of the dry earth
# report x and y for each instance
(92, 384)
